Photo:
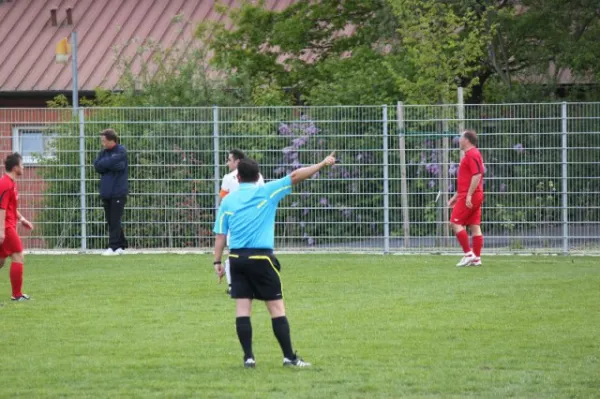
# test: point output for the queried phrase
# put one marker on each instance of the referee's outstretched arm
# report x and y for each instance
(299, 175)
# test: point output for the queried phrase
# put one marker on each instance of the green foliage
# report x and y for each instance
(497, 91)
(329, 52)
(266, 95)
(172, 78)
(358, 79)
(468, 42)
(59, 218)
(59, 101)
(375, 51)
(445, 43)
(546, 30)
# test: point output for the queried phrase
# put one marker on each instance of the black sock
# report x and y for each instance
(244, 332)
(281, 329)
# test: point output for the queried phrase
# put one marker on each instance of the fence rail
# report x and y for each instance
(397, 169)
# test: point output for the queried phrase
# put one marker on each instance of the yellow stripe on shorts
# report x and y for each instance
(263, 257)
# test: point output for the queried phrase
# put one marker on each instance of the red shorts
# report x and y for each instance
(12, 243)
(465, 216)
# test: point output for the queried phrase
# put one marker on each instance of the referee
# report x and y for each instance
(248, 215)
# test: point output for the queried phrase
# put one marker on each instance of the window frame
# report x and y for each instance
(16, 142)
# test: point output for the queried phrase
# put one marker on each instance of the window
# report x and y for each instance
(33, 143)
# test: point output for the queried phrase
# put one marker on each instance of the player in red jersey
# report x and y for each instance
(10, 242)
(468, 199)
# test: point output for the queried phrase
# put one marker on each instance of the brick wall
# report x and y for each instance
(30, 185)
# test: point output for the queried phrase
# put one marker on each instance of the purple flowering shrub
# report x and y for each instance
(424, 166)
(330, 204)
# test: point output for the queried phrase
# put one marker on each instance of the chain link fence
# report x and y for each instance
(397, 168)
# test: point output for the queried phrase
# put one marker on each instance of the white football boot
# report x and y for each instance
(467, 259)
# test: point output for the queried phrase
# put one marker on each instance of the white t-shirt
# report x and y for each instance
(231, 184)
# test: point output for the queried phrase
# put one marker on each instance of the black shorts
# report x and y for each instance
(255, 275)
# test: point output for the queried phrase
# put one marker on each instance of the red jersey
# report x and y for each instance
(470, 165)
(8, 200)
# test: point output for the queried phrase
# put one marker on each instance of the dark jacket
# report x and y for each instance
(112, 166)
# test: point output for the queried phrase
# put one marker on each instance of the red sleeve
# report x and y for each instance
(475, 165)
(4, 196)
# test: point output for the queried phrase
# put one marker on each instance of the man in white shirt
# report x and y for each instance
(229, 185)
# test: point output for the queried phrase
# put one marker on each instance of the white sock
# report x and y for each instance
(227, 272)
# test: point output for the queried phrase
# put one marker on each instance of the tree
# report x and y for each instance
(565, 34)
(495, 45)
(448, 44)
(325, 52)
(377, 51)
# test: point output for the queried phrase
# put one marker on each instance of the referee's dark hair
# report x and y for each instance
(471, 137)
(12, 161)
(237, 154)
(248, 171)
(110, 135)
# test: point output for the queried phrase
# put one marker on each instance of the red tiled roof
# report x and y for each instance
(105, 28)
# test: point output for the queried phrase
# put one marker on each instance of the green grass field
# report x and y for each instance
(373, 326)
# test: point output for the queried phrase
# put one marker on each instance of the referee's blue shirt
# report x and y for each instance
(248, 214)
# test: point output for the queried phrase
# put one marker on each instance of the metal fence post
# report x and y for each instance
(565, 178)
(461, 109)
(75, 72)
(444, 186)
(403, 182)
(217, 176)
(386, 184)
(82, 188)
(461, 114)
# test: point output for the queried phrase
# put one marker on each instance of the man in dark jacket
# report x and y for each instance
(112, 165)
